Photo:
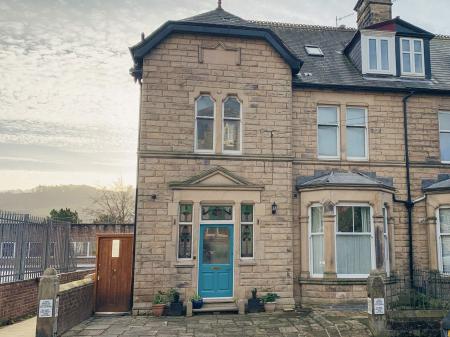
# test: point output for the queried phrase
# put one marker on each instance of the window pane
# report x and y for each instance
(184, 241)
(247, 213)
(205, 134)
(185, 213)
(356, 116)
(406, 63)
(362, 219)
(444, 121)
(356, 142)
(418, 63)
(327, 115)
(216, 246)
(444, 220)
(384, 55)
(353, 254)
(35, 249)
(445, 146)
(232, 135)
(316, 220)
(417, 46)
(328, 141)
(8, 249)
(232, 108)
(373, 54)
(205, 106)
(345, 219)
(445, 242)
(217, 212)
(317, 254)
(406, 46)
(247, 240)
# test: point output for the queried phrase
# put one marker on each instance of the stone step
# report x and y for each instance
(217, 307)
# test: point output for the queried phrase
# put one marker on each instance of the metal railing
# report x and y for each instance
(428, 291)
(29, 245)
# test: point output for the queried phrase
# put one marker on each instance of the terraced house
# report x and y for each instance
(290, 158)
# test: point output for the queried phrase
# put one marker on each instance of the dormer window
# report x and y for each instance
(378, 53)
(412, 59)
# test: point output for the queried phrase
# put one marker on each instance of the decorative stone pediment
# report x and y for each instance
(219, 54)
(217, 178)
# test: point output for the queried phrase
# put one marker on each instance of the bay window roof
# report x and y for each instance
(441, 184)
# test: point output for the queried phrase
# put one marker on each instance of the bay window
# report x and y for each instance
(316, 243)
(353, 241)
(231, 125)
(356, 127)
(204, 124)
(412, 57)
(328, 132)
(444, 136)
(443, 230)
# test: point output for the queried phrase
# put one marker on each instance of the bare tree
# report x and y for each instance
(114, 204)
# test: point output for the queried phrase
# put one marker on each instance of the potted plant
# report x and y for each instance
(197, 301)
(270, 301)
(175, 305)
(159, 303)
(254, 304)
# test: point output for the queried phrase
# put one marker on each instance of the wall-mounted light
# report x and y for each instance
(274, 208)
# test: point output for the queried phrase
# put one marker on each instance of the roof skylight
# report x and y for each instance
(313, 50)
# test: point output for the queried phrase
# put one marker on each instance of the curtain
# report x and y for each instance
(317, 253)
(353, 254)
(365, 219)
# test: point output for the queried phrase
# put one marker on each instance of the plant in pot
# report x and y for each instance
(270, 301)
(175, 305)
(159, 303)
(197, 301)
(254, 304)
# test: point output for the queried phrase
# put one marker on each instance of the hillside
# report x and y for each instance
(41, 200)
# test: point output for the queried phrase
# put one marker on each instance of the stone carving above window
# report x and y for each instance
(219, 53)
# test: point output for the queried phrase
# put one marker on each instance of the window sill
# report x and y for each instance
(247, 262)
(334, 281)
(185, 264)
(329, 158)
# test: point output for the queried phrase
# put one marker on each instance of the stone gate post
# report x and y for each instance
(46, 324)
(376, 304)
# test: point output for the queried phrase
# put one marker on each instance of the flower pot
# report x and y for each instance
(197, 304)
(270, 306)
(176, 309)
(158, 309)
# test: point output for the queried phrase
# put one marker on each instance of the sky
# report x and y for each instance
(68, 106)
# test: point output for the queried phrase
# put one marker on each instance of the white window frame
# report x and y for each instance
(439, 236)
(386, 241)
(253, 233)
(183, 223)
(310, 235)
(14, 250)
(338, 132)
(240, 119)
(366, 133)
(442, 131)
(372, 241)
(367, 35)
(75, 244)
(203, 117)
(412, 59)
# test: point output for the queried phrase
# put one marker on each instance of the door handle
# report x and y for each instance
(215, 268)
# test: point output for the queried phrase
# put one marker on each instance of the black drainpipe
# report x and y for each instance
(409, 204)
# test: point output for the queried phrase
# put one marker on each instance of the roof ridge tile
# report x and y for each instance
(301, 25)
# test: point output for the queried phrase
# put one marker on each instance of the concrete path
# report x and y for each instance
(26, 328)
(318, 323)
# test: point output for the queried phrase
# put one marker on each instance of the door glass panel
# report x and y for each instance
(216, 246)
(217, 212)
(115, 248)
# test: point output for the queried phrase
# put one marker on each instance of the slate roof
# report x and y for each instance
(441, 184)
(335, 69)
(344, 179)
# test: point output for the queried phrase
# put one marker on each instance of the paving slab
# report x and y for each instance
(26, 328)
(327, 322)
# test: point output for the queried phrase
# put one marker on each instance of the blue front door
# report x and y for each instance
(216, 261)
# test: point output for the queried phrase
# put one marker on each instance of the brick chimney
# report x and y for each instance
(371, 12)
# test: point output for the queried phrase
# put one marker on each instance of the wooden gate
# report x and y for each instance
(114, 272)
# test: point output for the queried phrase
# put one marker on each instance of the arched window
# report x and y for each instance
(232, 124)
(204, 124)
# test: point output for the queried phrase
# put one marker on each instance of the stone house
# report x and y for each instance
(275, 156)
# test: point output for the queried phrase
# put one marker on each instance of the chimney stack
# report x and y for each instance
(371, 12)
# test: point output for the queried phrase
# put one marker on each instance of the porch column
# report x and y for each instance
(329, 219)
(380, 258)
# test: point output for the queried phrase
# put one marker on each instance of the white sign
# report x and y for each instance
(45, 308)
(378, 304)
(369, 306)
